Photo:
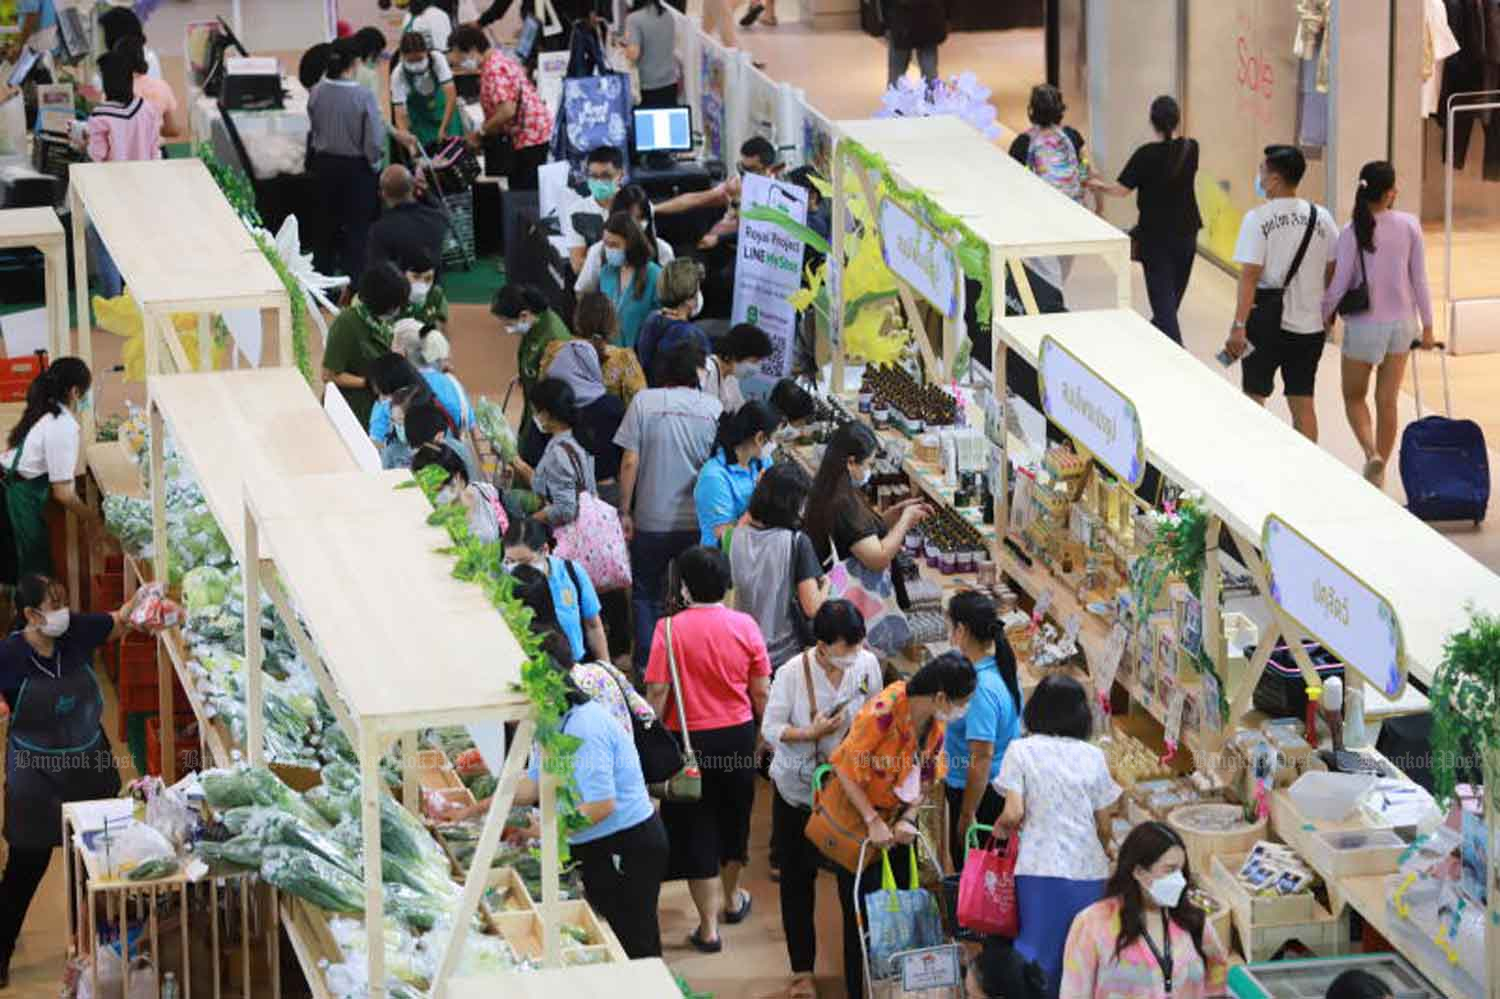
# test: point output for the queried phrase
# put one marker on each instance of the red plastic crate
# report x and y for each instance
(106, 592)
(17, 374)
(187, 745)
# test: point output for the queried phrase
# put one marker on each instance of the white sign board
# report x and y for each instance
(917, 255)
(353, 434)
(244, 326)
(769, 269)
(26, 332)
(931, 968)
(1347, 617)
(1091, 411)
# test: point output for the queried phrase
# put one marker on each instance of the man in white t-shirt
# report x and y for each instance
(1283, 320)
(430, 21)
(605, 167)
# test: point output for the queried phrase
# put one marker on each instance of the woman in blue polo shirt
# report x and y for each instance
(742, 452)
(975, 744)
(529, 542)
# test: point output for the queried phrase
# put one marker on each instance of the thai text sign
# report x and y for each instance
(1091, 411)
(917, 255)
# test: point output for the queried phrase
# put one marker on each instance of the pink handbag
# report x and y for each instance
(595, 539)
(987, 889)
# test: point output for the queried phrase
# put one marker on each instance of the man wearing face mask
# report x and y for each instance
(737, 358)
(423, 97)
(427, 303)
(680, 292)
(406, 226)
(56, 751)
(583, 221)
(361, 333)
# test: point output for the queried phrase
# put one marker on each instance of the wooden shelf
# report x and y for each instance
(115, 470)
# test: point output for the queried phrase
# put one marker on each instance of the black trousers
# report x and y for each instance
(23, 873)
(622, 876)
(986, 814)
(350, 194)
(869, 881)
(658, 97)
(800, 863)
(1168, 262)
(522, 176)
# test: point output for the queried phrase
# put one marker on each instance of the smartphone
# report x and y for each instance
(840, 706)
(1223, 355)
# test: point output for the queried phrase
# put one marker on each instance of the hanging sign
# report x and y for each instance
(1333, 606)
(1091, 411)
(917, 255)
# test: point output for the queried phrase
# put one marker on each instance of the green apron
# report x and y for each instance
(424, 112)
(25, 504)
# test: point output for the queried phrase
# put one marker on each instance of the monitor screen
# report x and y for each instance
(23, 67)
(663, 130)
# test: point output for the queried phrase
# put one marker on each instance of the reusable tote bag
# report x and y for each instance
(595, 538)
(595, 108)
(687, 784)
(987, 890)
(899, 919)
(886, 629)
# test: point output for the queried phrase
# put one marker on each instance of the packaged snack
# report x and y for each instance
(153, 610)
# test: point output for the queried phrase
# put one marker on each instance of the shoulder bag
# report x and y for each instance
(661, 759)
(594, 537)
(1265, 316)
(687, 784)
(801, 627)
(1357, 299)
(835, 826)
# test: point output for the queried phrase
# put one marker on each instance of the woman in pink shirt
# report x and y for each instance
(122, 127)
(723, 678)
(1381, 252)
(153, 90)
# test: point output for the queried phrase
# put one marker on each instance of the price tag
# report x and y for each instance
(1073, 626)
(1109, 664)
(1173, 724)
(932, 968)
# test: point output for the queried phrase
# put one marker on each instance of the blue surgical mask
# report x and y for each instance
(400, 432)
(614, 256)
(603, 190)
(1260, 189)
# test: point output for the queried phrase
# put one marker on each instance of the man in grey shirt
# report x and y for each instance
(651, 43)
(667, 435)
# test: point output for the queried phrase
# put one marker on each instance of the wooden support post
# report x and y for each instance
(1023, 286)
(84, 329)
(835, 274)
(287, 354)
(56, 262)
(484, 852)
(213, 908)
(372, 786)
(950, 347)
(165, 674)
(1120, 263)
(411, 792)
(187, 957)
(205, 342)
(255, 726)
(150, 336)
(551, 869)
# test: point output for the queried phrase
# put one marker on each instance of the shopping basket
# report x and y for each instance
(933, 967)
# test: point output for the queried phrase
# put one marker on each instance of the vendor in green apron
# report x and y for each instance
(423, 98)
(56, 751)
(42, 462)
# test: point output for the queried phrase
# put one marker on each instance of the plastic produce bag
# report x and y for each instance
(153, 610)
(313, 879)
(111, 975)
(256, 786)
(125, 847)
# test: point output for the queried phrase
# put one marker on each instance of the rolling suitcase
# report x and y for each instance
(1445, 466)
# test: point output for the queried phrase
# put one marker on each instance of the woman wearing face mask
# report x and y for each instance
(844, 527)
(408, 415)
(596, 327)
(567, 466)
(629, 276)
(773, 564)
(363, 332)
(679, 289)
(903, 726)
(427, 303)
(1145, 939)
(523, 311)
(739, 355)
(1060, 796)
(41, 462)
(744, 449)
(347, 146)
(976, 743)
(488, 521)
(423, 96)
(56, 751)
(529, 542)
(632, 200)
(814, 697)
(725, 675)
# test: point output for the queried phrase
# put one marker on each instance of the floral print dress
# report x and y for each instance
(1091, 969)
(881, 748)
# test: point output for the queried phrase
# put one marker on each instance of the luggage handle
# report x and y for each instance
(1416, 383)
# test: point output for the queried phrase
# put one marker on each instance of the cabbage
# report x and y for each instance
(204, 588)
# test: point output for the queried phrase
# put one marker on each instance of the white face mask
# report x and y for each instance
(697, 305)
(860, 478)
(844, 662)
(953, 714)
(419, 290)
(768, 452)
(744, 369)
(537, 422)
(469, 62)
(521, 326)
(419, 66)
(55, 623)
(1167, 892)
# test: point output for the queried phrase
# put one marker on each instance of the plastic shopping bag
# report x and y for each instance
(987, 890)
(900, 919)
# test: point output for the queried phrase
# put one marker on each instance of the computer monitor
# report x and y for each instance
(663, 130)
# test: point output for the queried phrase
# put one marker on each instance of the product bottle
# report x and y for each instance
(169, 986)
(1355, 735)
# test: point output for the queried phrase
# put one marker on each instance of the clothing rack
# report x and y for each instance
(1472, 101)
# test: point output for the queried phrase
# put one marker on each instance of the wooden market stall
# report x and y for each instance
(40, 228)
(397, 644)
(644, 978)
(1014, 213)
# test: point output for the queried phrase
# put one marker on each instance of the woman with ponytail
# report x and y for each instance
(975, 744)
(742, 451)
(42, 462)
(1379, 286)
(1162, 173)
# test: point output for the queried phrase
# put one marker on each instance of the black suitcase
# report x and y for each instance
(1445, 466)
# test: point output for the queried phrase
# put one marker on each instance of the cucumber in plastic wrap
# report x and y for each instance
(153, 870)
(312, 878)
(240, 851)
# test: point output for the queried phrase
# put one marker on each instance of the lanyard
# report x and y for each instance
(1163, 961)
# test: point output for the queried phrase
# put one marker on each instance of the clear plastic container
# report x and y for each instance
(1329, 797)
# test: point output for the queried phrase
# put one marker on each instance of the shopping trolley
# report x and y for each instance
(931, 967)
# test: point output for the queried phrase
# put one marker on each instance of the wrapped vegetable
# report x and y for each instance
(403, 835)
(334, 806)
(280, 829)
(312, 878)
(256, 786)
(154, 869)
(153, 610)
(490, 419)
(205, 588)
(240, 851)
(129, 520)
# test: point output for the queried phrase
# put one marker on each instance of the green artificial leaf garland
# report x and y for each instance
(1465, 696)
(479, 562)
(240, 193)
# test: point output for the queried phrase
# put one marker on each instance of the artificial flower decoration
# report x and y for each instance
(122, 317)
(962, 96)
(315, 286)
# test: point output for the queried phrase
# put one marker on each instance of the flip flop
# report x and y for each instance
(741, 914)
(756, 9)
(704, 946)
(802, 987)
(1375, 472)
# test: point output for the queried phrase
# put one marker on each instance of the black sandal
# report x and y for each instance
(752, 15)
(704, 946)
(735, 917)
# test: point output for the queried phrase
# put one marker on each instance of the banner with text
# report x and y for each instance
(769, 270)
(1333, 606)
(917, 255)
(1091, 411)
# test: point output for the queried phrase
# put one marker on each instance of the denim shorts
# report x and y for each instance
(1373, 342)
